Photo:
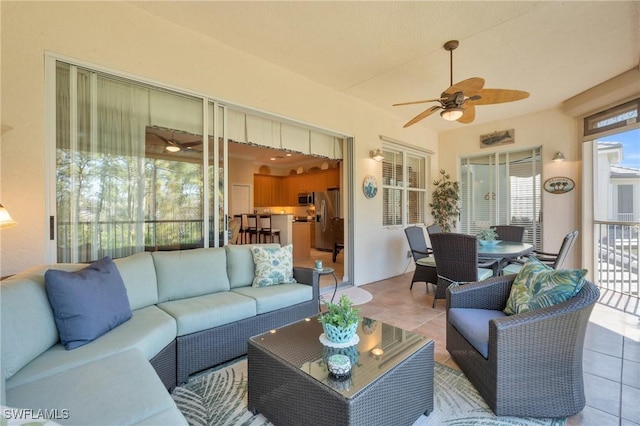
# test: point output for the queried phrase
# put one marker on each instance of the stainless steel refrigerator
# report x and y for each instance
(327, 207)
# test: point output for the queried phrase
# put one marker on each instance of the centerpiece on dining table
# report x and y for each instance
(488, 237)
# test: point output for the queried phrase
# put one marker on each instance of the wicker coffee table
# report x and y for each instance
(391, 380)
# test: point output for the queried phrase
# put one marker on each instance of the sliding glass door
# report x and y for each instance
(130, 168)
(502, 188)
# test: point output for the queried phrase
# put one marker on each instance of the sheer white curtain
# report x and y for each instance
(100, 127)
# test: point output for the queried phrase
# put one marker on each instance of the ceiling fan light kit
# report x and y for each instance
(172, 148)
(459, 100)
(452, 114)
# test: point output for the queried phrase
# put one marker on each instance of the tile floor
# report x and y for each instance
(611, 356)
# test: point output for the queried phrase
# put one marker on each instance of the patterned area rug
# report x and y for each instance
(220, 398)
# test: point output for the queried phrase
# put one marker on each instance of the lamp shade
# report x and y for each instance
(452, 114)
(558, 157)
(5, 218)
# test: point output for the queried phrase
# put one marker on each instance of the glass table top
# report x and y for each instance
(381, 347)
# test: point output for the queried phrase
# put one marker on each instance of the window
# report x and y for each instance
(502, 189)
(404, 187)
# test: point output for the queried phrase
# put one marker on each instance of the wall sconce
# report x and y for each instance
(559, 157)
(376, 154)
(5, 219)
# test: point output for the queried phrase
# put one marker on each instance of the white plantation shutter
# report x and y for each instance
(404, 187)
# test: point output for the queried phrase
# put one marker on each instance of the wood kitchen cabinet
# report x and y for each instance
(283, 190)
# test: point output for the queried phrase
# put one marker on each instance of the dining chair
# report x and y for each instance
(555, 260)
(337, 234)
(456, 257)
(422, 256)
(266, 230)
(509, 232)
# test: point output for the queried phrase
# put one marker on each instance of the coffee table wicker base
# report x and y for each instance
(288, 396)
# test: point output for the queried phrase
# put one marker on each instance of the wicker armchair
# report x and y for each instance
(534, 363)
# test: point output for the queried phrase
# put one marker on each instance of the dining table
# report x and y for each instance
(503, 250)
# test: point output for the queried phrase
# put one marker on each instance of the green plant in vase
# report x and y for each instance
(340, 321)
(444, 202)
(487, 236)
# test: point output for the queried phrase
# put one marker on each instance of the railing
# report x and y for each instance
(94, 240)
(616, 250)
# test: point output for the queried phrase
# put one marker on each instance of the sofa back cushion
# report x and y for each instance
(240, 265)
(190, 273)
(28, 327)
(139, 276)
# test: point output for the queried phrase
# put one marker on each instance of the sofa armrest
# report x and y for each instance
(491, 294)
(308, 276)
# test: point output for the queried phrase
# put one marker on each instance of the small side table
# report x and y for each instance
(329, 271)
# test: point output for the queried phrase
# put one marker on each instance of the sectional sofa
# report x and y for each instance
(190, 310)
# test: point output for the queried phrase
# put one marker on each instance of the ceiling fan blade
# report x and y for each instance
(423, 114)
(469, 114)
(190, 144)
(498, 96)
(418, 102)
(469, 87)
(165, 140)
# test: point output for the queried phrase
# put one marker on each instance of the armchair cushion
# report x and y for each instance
(538, 286)
(473, 325)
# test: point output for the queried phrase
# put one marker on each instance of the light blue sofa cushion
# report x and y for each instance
(240, 265)
(473, 325)
(139, 276)
(120, 389)
(276, 297)
(87, 303)
(190, 273)
(211, 310)
(28, 327)
(150, 329)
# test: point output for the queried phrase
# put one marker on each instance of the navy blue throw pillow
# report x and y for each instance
(87, 303)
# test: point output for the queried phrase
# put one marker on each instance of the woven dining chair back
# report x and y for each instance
(425, 266)
(509, 232)
(565, 248)
(456, 256)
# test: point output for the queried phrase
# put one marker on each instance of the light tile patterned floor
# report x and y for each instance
(611, 356)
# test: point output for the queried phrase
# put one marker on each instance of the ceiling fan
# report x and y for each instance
(459, 100)
(173, 145)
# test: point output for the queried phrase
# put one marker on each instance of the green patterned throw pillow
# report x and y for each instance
(539, 286)
(273, 265)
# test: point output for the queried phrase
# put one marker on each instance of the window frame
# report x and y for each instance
(404, 187)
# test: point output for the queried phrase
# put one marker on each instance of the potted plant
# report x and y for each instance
(340, 321)
(487, 236)
(444, 202)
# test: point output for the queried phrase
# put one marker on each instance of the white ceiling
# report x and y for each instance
(389, 52)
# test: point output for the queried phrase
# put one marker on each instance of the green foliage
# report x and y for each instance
(341, 314)
(444, 202)
(487, 234)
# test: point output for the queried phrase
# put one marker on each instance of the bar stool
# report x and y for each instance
(242, 231)
(267, 231)
(252, 228)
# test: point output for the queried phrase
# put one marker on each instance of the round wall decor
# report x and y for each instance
(559, 185)
(370, 186)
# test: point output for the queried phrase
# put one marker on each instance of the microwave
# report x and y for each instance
(305, 198)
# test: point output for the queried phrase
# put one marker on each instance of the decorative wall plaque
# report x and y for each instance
(559, 185)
